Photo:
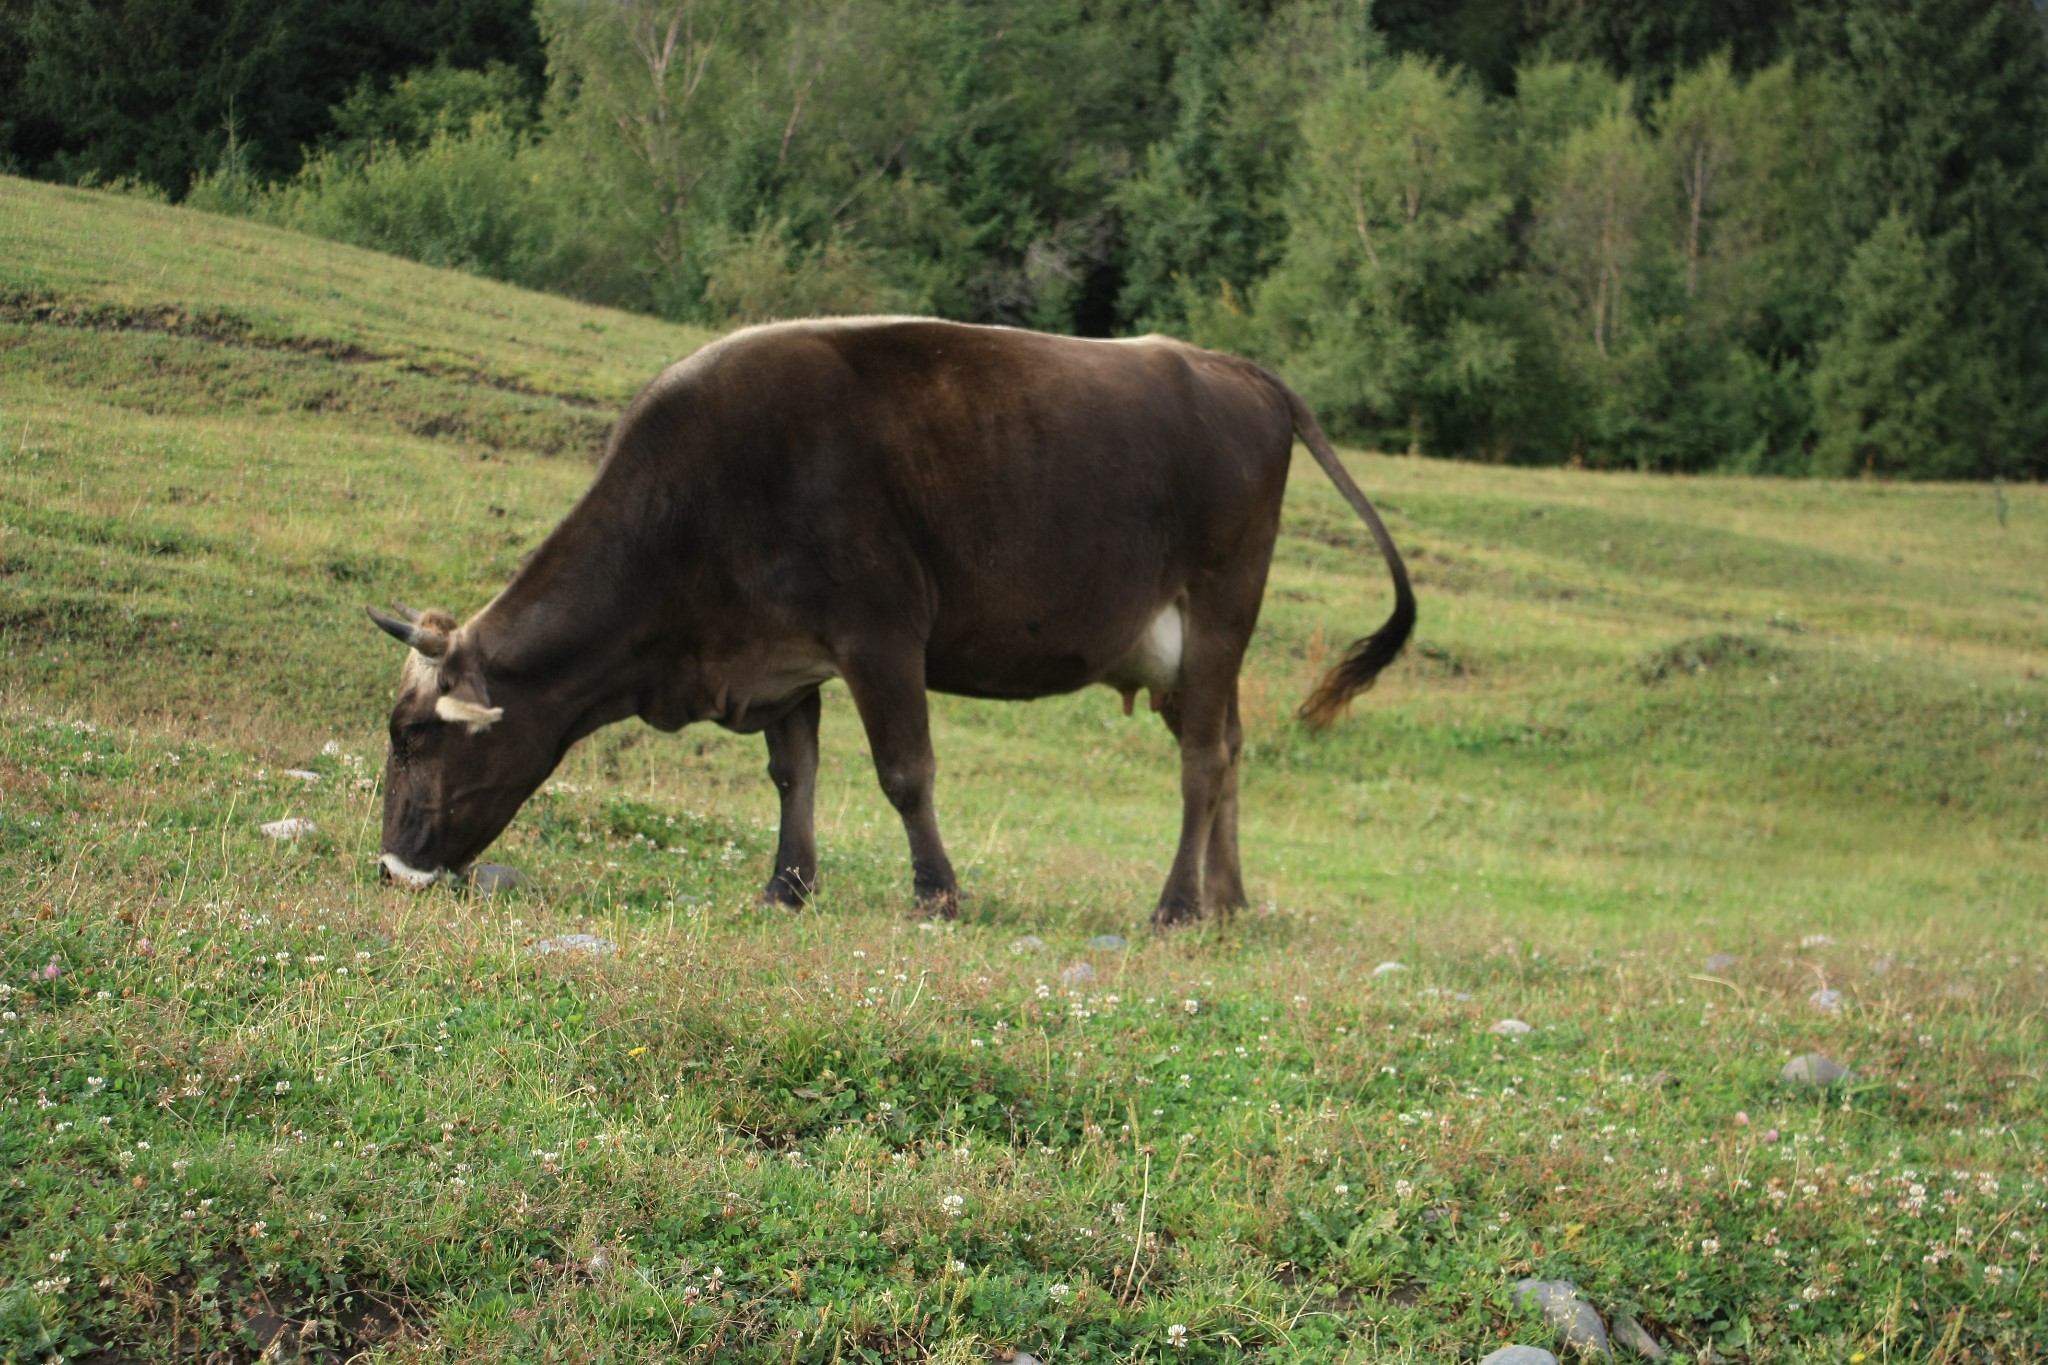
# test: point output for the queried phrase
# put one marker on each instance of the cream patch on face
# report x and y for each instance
(476, 718)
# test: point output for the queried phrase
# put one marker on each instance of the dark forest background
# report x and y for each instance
(1800, 238)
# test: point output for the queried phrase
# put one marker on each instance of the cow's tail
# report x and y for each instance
(1361, 663)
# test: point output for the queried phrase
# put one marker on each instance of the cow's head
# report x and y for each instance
(459, 766)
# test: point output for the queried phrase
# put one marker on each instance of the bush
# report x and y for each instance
(478, 199)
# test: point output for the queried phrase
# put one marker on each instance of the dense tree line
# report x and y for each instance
(1669, 234)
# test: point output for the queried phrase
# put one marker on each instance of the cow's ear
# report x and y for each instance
(473, 716)
(464, 699)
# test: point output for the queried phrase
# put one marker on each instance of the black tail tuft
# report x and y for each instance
(1361, 663)
(1359, 667)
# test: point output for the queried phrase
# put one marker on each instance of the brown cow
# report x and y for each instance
(908, 505)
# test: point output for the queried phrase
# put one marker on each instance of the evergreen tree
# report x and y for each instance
(1199, 210)
(1203, 219)
(1946, 123)
(1885, 391)
(148, 89)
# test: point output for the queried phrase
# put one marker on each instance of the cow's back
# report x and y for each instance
(1024, 502)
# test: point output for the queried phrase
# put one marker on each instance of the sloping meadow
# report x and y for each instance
(1689, 777)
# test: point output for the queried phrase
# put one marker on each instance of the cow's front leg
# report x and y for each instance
(888, 687)
(793, 768)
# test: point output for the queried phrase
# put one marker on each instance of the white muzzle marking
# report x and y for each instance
(408, 876)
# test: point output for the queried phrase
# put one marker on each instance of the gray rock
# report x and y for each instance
(1510, 1028)
(1078, 974)
(291, 827)
(1567, 1312)
(1631, 1334)
(1389, 968)
(576, 943)
(1826, 1001)
(1721, 962)
(1520, 1355)
(1030, 943)
(1024, 1358)
(305, 775)
(1109, 943)
(488, 879)
(1813, 1069)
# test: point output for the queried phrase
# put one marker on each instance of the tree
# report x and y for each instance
(1945, 122)
(1697, 131)
(1590, 220)
(1885, 390)
(1379, 306)
(1203, 218)
(148, 89)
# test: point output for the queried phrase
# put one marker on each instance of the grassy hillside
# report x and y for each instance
(1645, 721)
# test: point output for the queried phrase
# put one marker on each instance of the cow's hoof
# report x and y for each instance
(789, 892)
(940, 903)
(1175, 914)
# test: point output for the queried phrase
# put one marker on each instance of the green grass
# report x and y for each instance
(1645, 721)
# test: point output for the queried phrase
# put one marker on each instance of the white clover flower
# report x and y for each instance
(1708, 1246)
(1192, 1006)
(1177, 1336)
(952, 1205)
(1059, 1293)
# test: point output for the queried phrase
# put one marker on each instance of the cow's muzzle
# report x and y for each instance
(392, 868)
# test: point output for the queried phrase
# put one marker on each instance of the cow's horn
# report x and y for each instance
(429, 642)
(406, 613)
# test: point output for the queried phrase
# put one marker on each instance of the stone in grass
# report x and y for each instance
(1564, 1310)
(1510, 1028)
(291, 827)
(1109, 943)
(305, 775)
(576, 943)
(1078, 974)
(1024, 1358)
(1632, 1334)
(488, 879)
(1721, 962)
(1030, 943)
(1813, 1069)
(1520, 1355)
(1826, 1001)
(1389, 968)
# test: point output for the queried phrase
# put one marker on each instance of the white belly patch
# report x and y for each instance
(1154, 661)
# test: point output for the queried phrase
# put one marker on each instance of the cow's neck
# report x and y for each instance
(565, 623)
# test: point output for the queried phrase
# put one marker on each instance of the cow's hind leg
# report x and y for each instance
(1222, 611)
(888, 687)
(1222, 875)
(793, 768)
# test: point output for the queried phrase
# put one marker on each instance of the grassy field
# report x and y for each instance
(252, 1101)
